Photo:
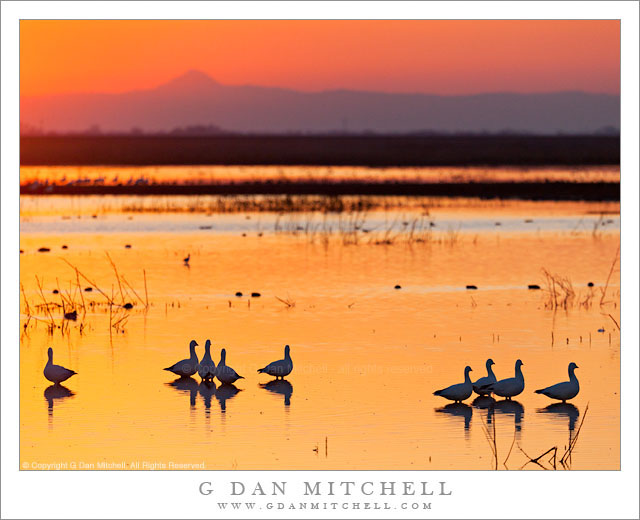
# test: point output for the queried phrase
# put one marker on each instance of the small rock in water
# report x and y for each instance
(73, 315)
(255, 295)
(590, 284)
(534, 286)
(94, 216)
(397, 287)
(472, 287)
(127, 246)
(238, 294)
(128, 306)
(206, 227)
(528, 221)
(498, 223)
(65, 246)
(88, 289)
(55, 291)
(44, 250)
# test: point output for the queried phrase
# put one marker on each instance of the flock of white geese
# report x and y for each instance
(206, 367)
(485, 386)
(509, 387)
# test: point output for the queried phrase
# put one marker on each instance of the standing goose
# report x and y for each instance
(486, 380)
(459, 392)
(55, 373)
(563, 391)
(186, 367)
(510, 387)
(225, 374)
(280, 368)
(207, 367)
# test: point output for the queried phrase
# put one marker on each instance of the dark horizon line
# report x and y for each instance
(329, 150)
(600, 191)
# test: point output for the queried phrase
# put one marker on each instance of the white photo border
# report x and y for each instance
(168, 494)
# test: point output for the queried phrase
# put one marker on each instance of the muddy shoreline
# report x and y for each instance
(569, 191)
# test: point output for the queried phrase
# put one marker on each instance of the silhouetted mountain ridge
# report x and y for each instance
(196, 99)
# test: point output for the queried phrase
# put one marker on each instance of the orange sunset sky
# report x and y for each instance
(439, 57)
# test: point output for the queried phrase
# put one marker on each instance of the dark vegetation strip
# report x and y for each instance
(375, 151)
(596, 191)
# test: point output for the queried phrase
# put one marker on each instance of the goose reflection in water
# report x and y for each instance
(282, 387)
(186, 385)
(458, 410)
(563, 411)
(485, 402)
(54, 392)
(224, 393)
(207, 389)
(510, 407)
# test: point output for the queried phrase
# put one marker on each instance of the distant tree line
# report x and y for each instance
(204, 130)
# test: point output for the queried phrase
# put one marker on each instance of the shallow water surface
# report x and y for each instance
(367, 357)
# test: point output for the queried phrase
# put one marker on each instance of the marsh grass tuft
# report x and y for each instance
(73, 306)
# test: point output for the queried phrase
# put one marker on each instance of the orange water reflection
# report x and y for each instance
(215, 174)
(367, 356)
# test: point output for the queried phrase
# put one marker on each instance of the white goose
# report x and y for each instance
(280, 368)
(563, 391)
(459, 392)
(486, 380)
(186, 367)
(55, 373)
(225, 374)
(510, 387)
(207, 367)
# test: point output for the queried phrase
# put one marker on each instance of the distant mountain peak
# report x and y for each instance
(191, 80)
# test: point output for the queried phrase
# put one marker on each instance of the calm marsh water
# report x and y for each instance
(367, 357)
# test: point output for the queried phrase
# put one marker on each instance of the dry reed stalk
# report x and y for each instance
(614, 321)
(509, 454)
(560, 290)
(62, 298)
(146, 294)
(134, 291)
(116, 324)
(84, 310)
(491, 440)
(110, 315)
(572, 445)
(88, 280)
(536, 460)
(46, 303)
(606, 285)
(289, 303)
(28, 309)
(115, 269)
